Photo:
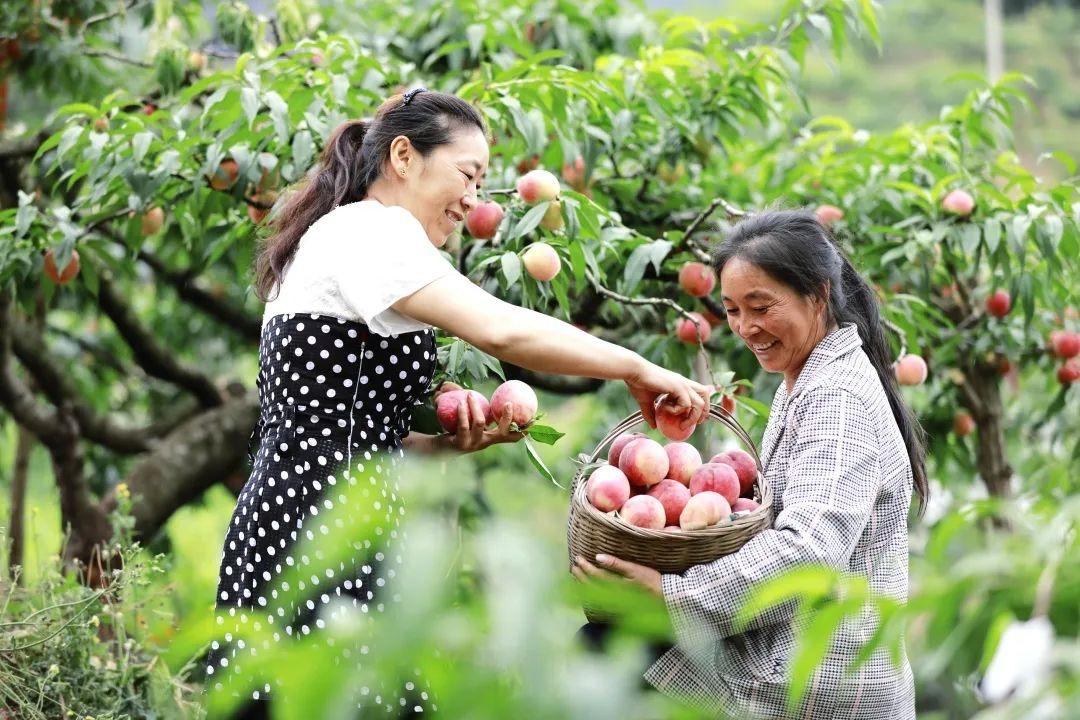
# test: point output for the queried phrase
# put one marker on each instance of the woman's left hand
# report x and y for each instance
(613, 568)
(472, 433)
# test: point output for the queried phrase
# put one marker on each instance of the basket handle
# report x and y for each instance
(715, 412)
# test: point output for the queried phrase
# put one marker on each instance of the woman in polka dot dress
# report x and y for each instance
(354, 286)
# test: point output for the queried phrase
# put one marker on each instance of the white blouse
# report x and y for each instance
(355, 262)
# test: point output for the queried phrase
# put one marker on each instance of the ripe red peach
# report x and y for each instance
(697, 279)
(643, 511)
(704, 509)
(716, 477)
(607, 488)
(911, 370)
(538, 185)
(446, 407)
(673, 495)
(744, 466)
(686, 331)
(483, 221)
(1069, 373)
(683, 460)
(521, 397)
(644, 462)
(619, 443)
(672, 425)
(1065, 344)
(999, 304)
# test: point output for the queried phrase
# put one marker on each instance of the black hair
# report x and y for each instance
(353, 159)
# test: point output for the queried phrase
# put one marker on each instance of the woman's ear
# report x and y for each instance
(401, 156)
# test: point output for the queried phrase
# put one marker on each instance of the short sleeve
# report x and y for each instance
(387, 258)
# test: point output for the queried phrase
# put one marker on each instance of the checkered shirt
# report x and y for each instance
(842, 486)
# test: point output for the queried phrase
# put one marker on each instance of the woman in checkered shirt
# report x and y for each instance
(842, 451)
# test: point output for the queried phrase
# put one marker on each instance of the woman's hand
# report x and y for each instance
(652, 381)
(613, 568)
(472, 433)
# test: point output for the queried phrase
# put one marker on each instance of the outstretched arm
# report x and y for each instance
(542, 343)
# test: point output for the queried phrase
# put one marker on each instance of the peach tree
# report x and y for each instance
(152, 146)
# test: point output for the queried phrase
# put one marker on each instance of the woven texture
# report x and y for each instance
(590, 531)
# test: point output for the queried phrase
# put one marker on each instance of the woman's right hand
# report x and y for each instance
(651, 381)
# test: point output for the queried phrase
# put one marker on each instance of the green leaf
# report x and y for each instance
(511, 267)
(537, 463)
(813, 644)
(544, 434)
(530, 221)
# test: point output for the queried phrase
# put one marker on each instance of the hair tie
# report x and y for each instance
(411, 94)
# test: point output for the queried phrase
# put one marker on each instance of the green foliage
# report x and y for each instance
(68, 650)
(679, 122)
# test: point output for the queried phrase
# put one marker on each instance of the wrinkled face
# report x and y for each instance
(780, 326)
(441, 188)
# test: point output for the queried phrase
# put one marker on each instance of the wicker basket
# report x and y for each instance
(590, 531)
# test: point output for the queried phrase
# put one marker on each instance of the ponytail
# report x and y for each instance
(797, 250)
(339, 178)
(351, 162)
(857, 303)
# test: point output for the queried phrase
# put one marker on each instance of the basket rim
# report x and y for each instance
(742, 523)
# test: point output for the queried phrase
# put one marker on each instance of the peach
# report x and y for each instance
(197, 61)
(999, 304)
(718, 478)
(744, 505)
(521, 397)
(704, 509)
(910, 370)
(446, 408)
(697, 279)
(483, 221)
(828, 214)
(61, 277)
(607, 488)
(727, 404)
(644, 462)
(541, 261)
(1069, 373)
(673, 495)
(643, 511)
(673, 528)
(553, 219)
(619, 443)
(744, 466)
(1065, 344)
(683, 460)
(151, 221)
(225, 175)
(958, 202)
(672, 425)
(686, 331)
(963, 424)
(574, 173)
(538, 185)
(257, 214)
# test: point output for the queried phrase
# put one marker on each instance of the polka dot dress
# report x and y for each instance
(333, 396)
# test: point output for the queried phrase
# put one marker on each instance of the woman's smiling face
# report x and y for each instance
(779, 326)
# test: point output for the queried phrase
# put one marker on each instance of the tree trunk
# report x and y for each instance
(16, 531)
(984, 402)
